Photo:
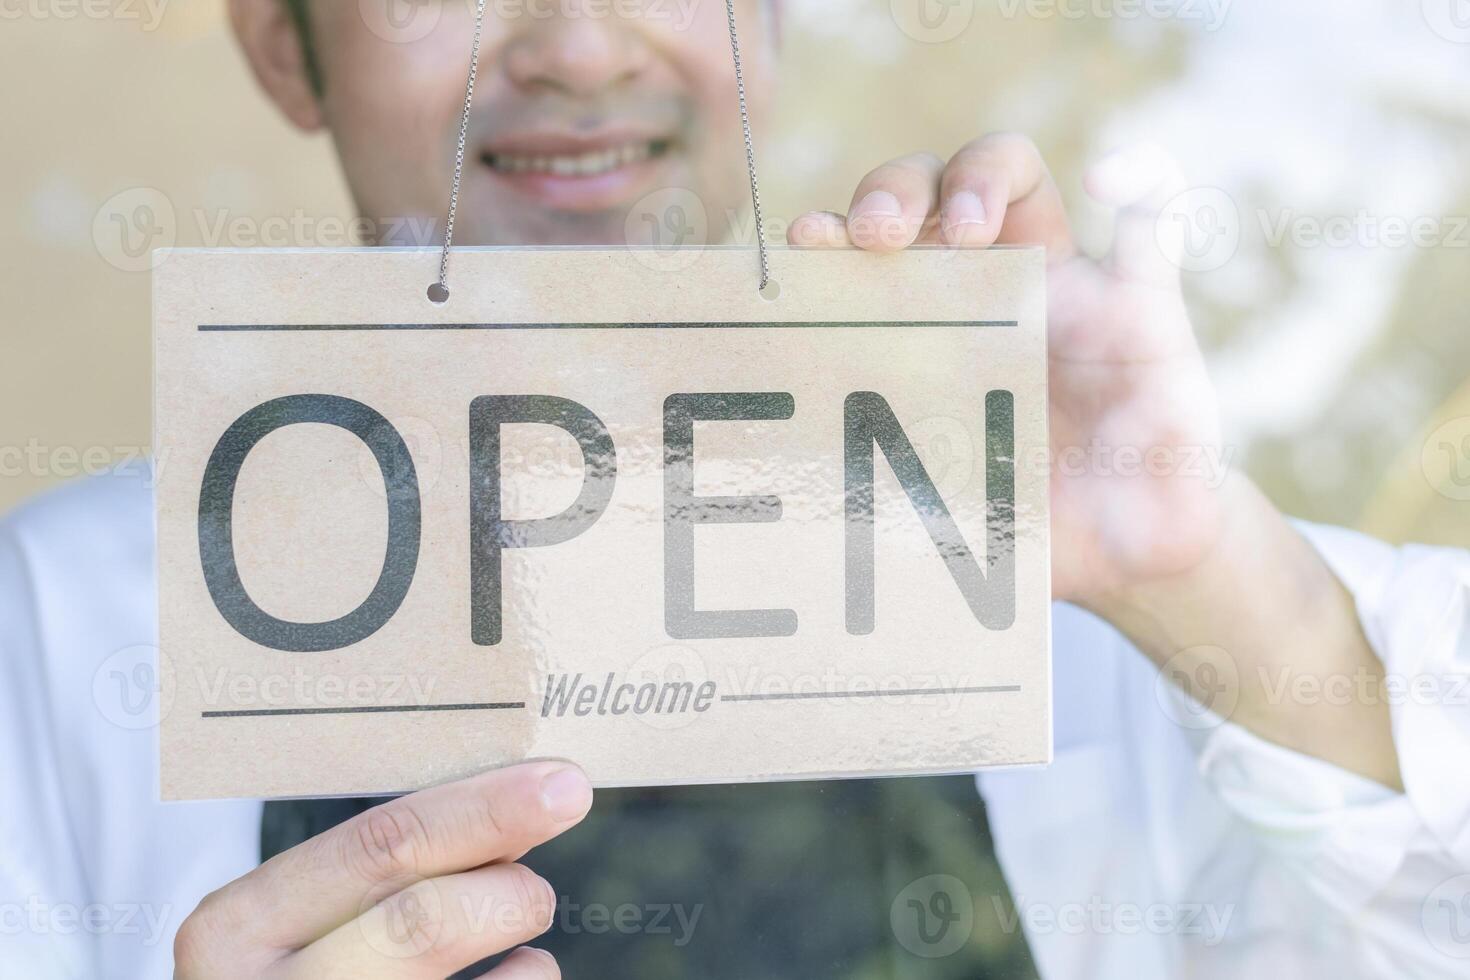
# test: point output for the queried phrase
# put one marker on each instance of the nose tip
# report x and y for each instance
(580, 56)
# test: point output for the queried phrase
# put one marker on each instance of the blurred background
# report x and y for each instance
(1329, 148)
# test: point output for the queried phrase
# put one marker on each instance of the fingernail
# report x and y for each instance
(543, 913)
(879, 204)
(566, 793)
(963, 208)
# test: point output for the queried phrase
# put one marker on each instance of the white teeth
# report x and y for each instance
(573, 165)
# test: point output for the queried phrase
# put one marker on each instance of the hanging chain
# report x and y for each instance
(755, 191)
(464, 131)
(464, 128)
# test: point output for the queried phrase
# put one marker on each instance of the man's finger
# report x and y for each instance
(307, 891)
(893, 203)
(434, 927)
(818, 229)
(1140, 181)
(998, 190)
(526, 963)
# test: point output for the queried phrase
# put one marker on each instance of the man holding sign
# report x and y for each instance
(1331, 827)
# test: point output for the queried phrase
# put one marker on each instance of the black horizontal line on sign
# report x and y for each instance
(365, 709)
(815, 695)
(680, 325)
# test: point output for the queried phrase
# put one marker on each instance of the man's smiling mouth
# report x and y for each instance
(591, 163)
(579, 173)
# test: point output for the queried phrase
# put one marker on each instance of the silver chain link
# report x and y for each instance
(464, 129)
(755, 191)
(464, 132)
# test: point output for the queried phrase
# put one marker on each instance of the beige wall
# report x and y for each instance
(98, 107)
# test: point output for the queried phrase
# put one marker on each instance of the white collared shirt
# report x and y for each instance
(1159, 844)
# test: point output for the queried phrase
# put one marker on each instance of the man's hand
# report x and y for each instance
(421, 886)
(1125, 371)
(1148, 529)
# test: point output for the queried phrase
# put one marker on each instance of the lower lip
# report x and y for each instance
(596, 192)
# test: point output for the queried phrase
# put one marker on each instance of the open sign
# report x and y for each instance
(749, 534)
(868, 422)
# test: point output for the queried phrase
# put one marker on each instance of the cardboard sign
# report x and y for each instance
(608, 506)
